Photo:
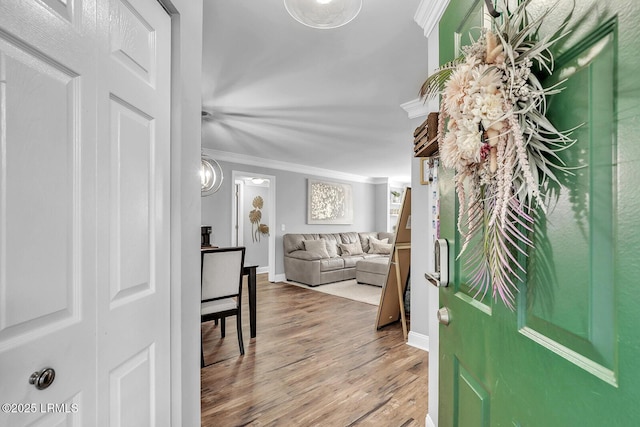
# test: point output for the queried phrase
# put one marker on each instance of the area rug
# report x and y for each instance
(347, 289)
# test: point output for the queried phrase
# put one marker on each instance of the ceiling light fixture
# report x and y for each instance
(323, 14)
(210, 175)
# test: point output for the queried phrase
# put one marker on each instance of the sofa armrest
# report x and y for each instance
(305, 255)
(302, 270)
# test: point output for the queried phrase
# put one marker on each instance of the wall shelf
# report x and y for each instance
(425, 142)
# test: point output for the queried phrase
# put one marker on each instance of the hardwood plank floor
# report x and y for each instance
(317, 360)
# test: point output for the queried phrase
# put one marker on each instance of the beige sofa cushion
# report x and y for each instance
(372, 241)
(351, 237)
(331, 264)
(350, 249)
(382, 248)
(332, 243)
(351, 261)
(332, 249)
(294, 242)
(316, 248)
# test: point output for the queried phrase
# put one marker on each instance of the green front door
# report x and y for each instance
(569, 353)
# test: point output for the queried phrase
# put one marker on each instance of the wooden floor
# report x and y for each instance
(317, 360)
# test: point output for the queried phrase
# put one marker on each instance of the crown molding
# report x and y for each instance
(416, 108)
(429, 13)
(243, 159)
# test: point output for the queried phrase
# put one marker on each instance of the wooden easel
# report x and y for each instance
(391, 307)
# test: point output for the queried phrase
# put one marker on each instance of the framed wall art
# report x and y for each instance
(329, 202)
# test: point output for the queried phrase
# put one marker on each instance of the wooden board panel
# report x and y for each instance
(391, 307)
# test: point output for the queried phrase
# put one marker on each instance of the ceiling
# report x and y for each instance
(278, 90)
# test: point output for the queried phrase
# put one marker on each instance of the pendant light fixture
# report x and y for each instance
(210, 175)
(323, 14)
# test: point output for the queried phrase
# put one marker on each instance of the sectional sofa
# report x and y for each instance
(316, 259)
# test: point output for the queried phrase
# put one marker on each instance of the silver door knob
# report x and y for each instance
(444, 316)
(43, 378)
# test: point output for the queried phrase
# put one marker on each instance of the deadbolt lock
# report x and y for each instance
(440, 277)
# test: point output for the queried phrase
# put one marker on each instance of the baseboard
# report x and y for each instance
(280, 277)
(429, 422)
(261, 270)
(417, 340)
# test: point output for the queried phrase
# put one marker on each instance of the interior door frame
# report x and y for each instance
(271, 209)
(428, 17)
(237, 211)
(185, 216)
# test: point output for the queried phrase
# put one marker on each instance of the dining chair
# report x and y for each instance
(221, 295)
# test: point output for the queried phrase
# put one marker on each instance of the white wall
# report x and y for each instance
(421, 262)
(291, 206)
(382, 207)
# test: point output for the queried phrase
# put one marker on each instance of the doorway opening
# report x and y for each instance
(254, 219)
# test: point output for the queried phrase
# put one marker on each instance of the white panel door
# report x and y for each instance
(133, 254)
(47, 212)
(84, 212)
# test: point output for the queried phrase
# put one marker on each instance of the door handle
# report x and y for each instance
(42, 379)
(432, 277)
(444, 316)
(440, 277)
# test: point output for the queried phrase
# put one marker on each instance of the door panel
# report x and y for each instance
(472, 400)
(84, 211)
(131, 149)
(568, 354)
(132, 393)
(132, 40)
(65, 9)
(37, 193)
(47, 215)
(134, 171)
(566, 307)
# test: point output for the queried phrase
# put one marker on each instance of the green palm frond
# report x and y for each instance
(434, 84)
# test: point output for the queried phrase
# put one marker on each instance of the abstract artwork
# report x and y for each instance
(329, 203)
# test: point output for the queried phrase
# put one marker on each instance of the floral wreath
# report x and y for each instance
(493, 131)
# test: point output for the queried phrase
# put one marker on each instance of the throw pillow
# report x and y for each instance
(373, 240)
(350, 249)
(381, 248)
(332, 248)
(317, 248)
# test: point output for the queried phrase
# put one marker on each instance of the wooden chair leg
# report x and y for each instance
(201, 350)
(201, 355)
(239, 327)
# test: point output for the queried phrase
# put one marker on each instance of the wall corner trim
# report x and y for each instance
(429, 13)
(285, 166)
(429, 422)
